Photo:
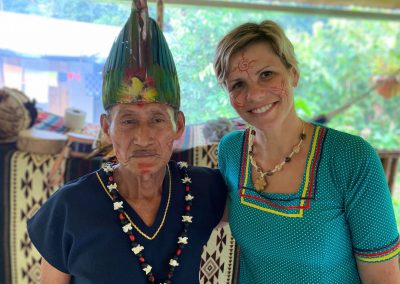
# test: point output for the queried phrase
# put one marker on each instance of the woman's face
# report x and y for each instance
(142, 135)
(260, 86)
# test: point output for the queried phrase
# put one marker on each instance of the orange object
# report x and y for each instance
(388, 86)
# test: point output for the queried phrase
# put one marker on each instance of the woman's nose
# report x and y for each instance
(255, 92)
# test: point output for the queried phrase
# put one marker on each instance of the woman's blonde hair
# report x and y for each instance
(248, 33)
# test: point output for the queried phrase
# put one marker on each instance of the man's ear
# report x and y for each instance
(180, 125)
(105, 127)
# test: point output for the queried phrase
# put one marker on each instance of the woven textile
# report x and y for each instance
(55, 123)
(218, 259)
(50, 122)
(28, 191)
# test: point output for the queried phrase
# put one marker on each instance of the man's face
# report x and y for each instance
(142, 135)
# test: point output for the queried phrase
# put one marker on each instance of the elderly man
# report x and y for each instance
(143, 218)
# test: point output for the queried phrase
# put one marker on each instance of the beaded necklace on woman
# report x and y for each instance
(127, 224)
(261, 182)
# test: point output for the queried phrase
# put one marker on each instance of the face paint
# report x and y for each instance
(243, 65)
(236, 102)
(278, 91)
(144, 167)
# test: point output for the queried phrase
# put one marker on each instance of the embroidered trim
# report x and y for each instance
(374, 256)
(309, 180)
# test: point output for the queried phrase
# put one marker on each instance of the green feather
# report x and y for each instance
(148, 58)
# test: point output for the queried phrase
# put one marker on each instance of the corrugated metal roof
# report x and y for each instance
(40, 36)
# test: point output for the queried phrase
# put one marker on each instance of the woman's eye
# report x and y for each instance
(236, 86)
(265, 74)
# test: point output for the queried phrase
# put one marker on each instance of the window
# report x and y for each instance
(55, 50)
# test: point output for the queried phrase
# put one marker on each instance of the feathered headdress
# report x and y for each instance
(140, 67)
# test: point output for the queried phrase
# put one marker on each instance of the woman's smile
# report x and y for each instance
(262, 109)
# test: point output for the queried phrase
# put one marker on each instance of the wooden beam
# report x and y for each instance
(308, 10)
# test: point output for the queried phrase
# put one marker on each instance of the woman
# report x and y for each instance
(307, 204)
(143, 219)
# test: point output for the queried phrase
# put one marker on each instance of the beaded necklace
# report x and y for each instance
(126, 222)
(261, 183)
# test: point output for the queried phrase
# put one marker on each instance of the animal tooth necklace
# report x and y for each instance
(126, 222)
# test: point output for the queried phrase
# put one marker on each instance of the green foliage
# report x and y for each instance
(338, 59)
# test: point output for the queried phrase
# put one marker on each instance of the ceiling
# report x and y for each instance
(376, 9)
(386, 4)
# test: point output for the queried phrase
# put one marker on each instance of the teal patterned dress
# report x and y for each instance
(341, 212)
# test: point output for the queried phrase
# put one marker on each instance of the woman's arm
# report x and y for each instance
(379, 272)
(50, 275)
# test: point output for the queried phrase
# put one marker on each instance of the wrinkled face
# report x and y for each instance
(260, 86)
(142, 135)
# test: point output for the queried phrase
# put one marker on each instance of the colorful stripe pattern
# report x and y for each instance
(293, 206)
(380, 254)
(50, 122)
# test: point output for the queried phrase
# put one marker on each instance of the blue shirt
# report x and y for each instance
(78, 232)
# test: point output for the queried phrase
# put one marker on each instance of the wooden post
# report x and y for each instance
(160, 13)
(389, 160)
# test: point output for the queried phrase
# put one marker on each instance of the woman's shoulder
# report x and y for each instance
(346, 140)
(233, 136)
(343, 145)
(231, 141)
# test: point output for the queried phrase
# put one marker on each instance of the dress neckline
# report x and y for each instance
(291, 204)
